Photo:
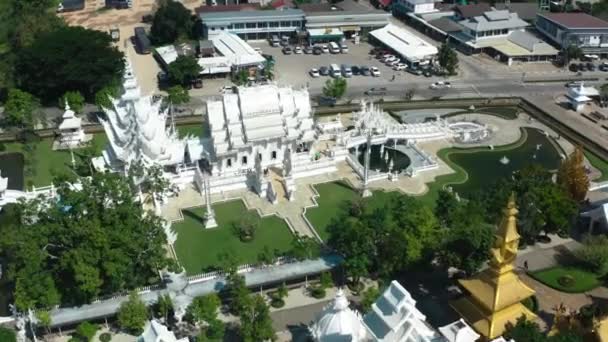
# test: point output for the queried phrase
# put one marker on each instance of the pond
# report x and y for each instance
(485, 167)
(380, 160)
(11, 166)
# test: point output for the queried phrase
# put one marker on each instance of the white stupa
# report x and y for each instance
(154, 331)
(71, 134)
(338, 323)
(136, 129)
(580, 95)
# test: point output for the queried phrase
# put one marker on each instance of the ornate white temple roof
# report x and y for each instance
(69, 119)
(338, 323)
(459, 331)
(136, 127)
(394, 317)
(260, 113)
(157, 332)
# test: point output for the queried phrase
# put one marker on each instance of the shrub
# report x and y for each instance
(105, 337)
(317, 292)
(245, 229)
(594, 254)
(87, 330)
(277, 302)
(531, 303)
(566, 281)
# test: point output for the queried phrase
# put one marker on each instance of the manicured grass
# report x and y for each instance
(48, 163)
(198, 248)
(194, 130)
(598, 163)
(333, 200)
(583, 281)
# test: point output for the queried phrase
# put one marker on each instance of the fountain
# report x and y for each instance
(504, 160)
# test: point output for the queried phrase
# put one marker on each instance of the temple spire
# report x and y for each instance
(507, 239)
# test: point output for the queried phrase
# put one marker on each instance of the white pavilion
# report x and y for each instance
(71, 134)
(136, 129)
(155, 331)
(580, 95)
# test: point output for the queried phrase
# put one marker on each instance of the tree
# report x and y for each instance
(20, 109)
(445, 206)
(241, 77)
(572, 175)
(69, 58)
(351, 238)
(86, 330)
(335, 88)
(238, 292)
(133, 314)
(102, 97)
(304, 247)
(246, 227)
(74, 99)
(448, 59)
(266, 256)
(571, 52)
(594, 254)
(44, 320)
(172, 21)
(178, 95)
(369, 297)
(183, 70)
(256, 324)
(204, 309)
(98, 241)
(525, 331)
(164, 305)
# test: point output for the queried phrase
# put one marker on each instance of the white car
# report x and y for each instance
(440, 85)
(325, 48)
(400, 66)
(375, 71)
(227, 89)
(393, 62)
(390, 58)
(314, 72)
(297, 50)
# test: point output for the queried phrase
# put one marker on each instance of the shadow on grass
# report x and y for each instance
(191, 214)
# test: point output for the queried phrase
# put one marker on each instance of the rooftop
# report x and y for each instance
(227, 8)
(494, 20)
(405, 43)
(575, 20)
(244, 15)
(525, 10)
(473, 10)
(342, 7)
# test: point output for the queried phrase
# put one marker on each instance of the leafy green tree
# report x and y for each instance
(215, 330)
(228, 261)
(304, 247)
(183, 70)
(74, 99)
(445, 206)
(20, 109)
(172, 21)
(7, 335)
(133, 314)
(369, 297)
(525, 331)
(335, 88)
(266, 256)
(69, 58)
(256, 324)
(240, 78)
(594, 254)
(448, 59)
(102, 96)
(87, 247)
(247, 226)
(44, 320)
(86, 330)
(352, 238)
(105, 337)
(204, 309)
(571, 52)
(237, 292)
(178, 95)
(164, 306)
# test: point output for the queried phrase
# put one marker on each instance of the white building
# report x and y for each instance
(71, 134)
(413, 49)
(579, 96)
(136, 129)
(492, 24)
(154, 331)
(392, 318)
(416, 6)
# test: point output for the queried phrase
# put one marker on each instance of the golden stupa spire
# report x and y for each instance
(495, 294)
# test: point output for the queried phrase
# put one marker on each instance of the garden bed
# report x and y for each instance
(567, 279)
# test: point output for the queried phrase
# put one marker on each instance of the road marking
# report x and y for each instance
(475, 88)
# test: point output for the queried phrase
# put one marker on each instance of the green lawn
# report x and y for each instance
(49, 162)
(196, 130)
(198, 248)
(583, 281)
(598, 163)
(333, 199)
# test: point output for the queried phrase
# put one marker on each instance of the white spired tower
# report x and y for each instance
(135, 125)
(71, 134)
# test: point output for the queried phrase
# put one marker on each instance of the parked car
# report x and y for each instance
(297, 50)
(346, 70)
(141, 41)
(582, 67)
(365, 70)
(314, 72)
(227, 89)
(603, 66)
(325, 48)
(287, 50)
(590, 66)
(573, 84)
(414, 71)
(308, 50)
(400, 66)
(389, 59)
(317, 50)
(376, 91)
(356, 70)
(440, 85)
(393, 62)
(374, 71)
(324, 71)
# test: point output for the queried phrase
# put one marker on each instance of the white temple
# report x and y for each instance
(392, 318)
(154, 331)
(136, 129)
(71, 134)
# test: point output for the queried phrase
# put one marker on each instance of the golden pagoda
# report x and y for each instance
(495, 294)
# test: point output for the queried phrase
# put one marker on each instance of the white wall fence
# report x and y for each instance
(197, 278)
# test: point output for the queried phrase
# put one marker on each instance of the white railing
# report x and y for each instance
(197, 278)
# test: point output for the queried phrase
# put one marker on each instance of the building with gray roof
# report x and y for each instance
(492, 24)
(580, 29)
